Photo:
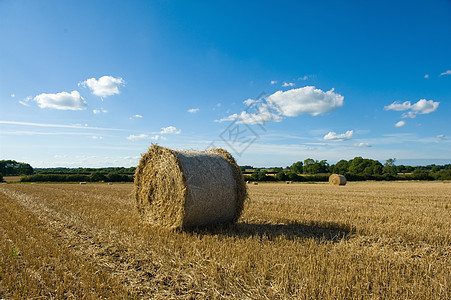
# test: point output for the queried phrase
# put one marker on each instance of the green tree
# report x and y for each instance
(297, 167)
(258, 175)
(12, 167)
(389, 167)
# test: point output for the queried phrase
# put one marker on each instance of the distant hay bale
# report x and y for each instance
(255, 183)
(289, 182)
(82, 182)
(336, 179)
(186, 188)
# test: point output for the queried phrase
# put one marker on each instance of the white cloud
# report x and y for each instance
(25, 101)
(421, 107)
(133, 137)
(332, 136)
(287, 84)
(264, 115)
(426, 76)
(170, 130)
(61, 101)
(77, 126)
(273, 81)
(362, 145)
(306, 100)
(136, 117)
(441, 137)
(291, 103)
(157, 137)
(400, 124)
(104, 86)
(448, 72)
(305, 77)
(13, 95)
(95, 137)
(98, 111)
(193, 110)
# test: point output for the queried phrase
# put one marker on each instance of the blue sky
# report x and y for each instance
(94, 83)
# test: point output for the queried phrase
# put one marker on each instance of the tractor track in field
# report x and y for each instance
(94, 246)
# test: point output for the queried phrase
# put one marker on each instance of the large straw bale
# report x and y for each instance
(336, 179)
(185, 188)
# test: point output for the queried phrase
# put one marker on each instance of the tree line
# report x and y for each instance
(309, 169)
(355, 169)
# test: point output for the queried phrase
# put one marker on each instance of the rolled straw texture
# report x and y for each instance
(186, 188)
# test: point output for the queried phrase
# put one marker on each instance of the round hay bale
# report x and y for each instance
(186, 188)
(336, 179)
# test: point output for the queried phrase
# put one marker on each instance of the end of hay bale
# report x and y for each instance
(336, 179)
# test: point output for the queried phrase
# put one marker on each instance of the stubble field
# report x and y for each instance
(303, 241)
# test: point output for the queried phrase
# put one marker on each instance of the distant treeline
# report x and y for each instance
(94, 177)
(356, 169)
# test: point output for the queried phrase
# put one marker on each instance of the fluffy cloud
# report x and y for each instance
(13, 95)
(104, 86)
(287, 84)
(448, 72)
(422, 107)
(262, 116)
(291, 103)
(193, 110)
(273, 81)
(138, 116)
(61, 101)
(400, 124)
(306, 100)
(332, 136)
(170, 130)
(362, 145)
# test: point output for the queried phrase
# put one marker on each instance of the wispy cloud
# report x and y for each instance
(98, 111)
(400, 124)
(285, 84)
(193, 110)
(76, 126)
(133, 137)
(332, 136)
(104, 86)
(426, 76)
(448, 72)
(273, 81)
(362, 145)
(144, 136)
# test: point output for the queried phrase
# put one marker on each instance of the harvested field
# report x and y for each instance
(304, 241)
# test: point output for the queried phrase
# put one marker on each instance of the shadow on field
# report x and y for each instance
(319, 231)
